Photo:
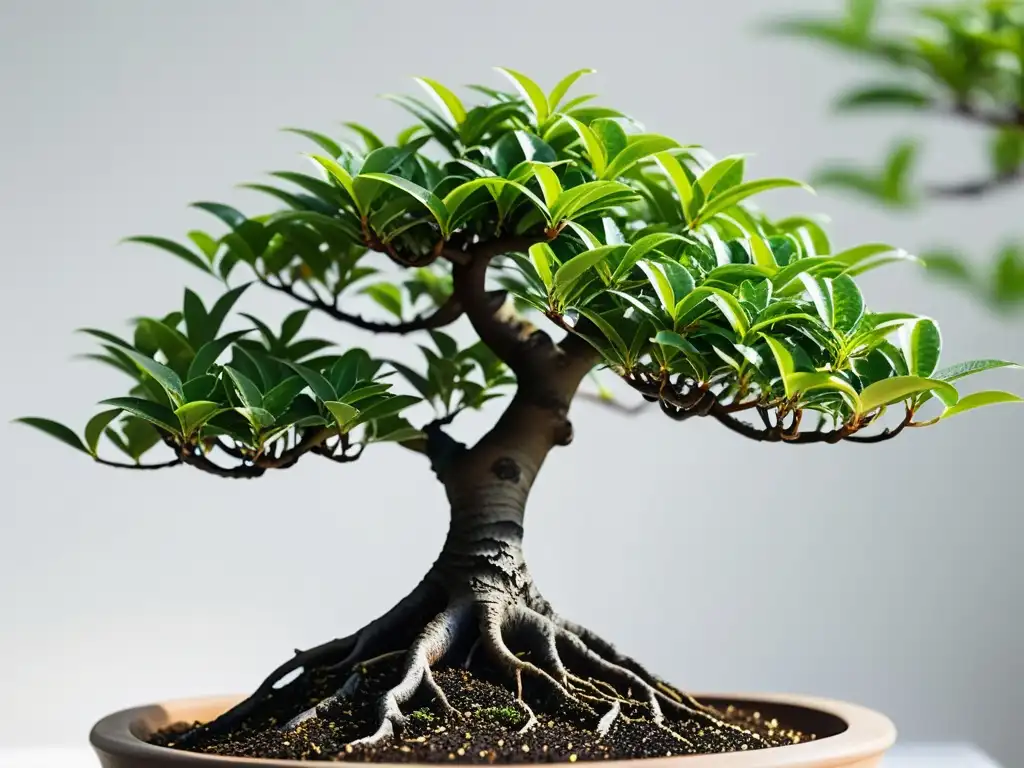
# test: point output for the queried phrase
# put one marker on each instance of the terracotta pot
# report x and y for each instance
(848, 737)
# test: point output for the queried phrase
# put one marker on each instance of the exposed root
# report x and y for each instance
(432, 644)
(605, 723)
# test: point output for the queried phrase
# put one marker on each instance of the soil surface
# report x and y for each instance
(488, 730)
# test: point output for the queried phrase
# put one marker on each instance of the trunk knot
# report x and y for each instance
(564, 433)
(506, 469)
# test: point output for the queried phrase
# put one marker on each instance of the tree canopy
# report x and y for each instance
(649, 250)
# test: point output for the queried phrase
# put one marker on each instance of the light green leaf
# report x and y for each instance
(801, 383)
(593, 145)
(640, 249)
(674, 170)
(586, 197)
(979, 399)
(343, 413)
(563, 86)
(710, 178)
(731, 308)
(387, 296)
(569, 273)
(445, 99)
(531, 92)
(340, 175)
(820, 291)
(431, 201)
(543, 256)
(741, 192)
(57, 430)
(550, 186)
(662, 287)
(193, 415)
(761, 253)
(784, 360)
(898, 388)
(639, 148)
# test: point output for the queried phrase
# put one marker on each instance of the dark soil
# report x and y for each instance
(487, 731)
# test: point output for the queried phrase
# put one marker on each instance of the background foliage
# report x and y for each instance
(961, 61)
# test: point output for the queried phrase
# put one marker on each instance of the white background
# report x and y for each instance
(888, 575)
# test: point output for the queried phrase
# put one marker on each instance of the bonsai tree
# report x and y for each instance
(960, 62)
(567, 240)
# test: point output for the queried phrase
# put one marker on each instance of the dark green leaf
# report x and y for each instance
(154, 413)
(55, 429)
(171, 247)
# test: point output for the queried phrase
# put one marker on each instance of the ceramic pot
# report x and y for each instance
(849, 736)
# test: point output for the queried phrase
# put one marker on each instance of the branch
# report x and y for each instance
(120, 465)
(975, 188)
(615, 405)
(444, 315)
(510, 337)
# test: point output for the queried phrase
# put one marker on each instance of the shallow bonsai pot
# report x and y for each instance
(849, 736)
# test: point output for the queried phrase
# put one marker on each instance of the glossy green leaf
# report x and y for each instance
(922, 348)
(55, 429)
(899, 388)
(543, 257)
(562, 88)
(247, 390)
(207, 354)
(164, 376)
(445, 98)
(802, 383)
(741, 192)
(609, 332)
(591, 143)
(343, 413)
(194, 415)
(680, 181)
(386, 408)
(339, 174)
(320, 386)
(427, 198)
(569, 273)
(531, 92)
(155, 413)
(731, 309)
(847, 304)
(639, 148)
(979, 399)
(278, 398)
(370, 139)
(969, 368)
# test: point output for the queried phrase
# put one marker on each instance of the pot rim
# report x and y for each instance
(868, 734)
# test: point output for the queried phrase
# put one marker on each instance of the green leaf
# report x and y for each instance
(278, 398)
(320, 386)
(612, 136)
(429, 200)
(97, 424)
(898, 388)
(342, 176)
(569, 273)
(640, 249)
(370, 139)
(860, 14)
(731, 308)
(741, 192)
(1007, 151)
(895, 177)
(979, 399)
(923, 347)
(531, 92)
(655, 272)
(55, 429)
(609, 332)
(156, 414)
(171, 247)
(677, 175)
(326, 143)
(587, 198)
(883, 96)
(210, 351)
(543, 256)
(820, 291)
(563, 86)
(550, 186)
(969, 368)
(593, 145)
(193, 415)
(639, 148)
(164, 376)
(259, 418)
(222, 307)
(205, 243)
(848, 304)
(445, 99)
(386, 408)
(343, 413)
(715, 177)
(387, 296)
(784, 361)
(247, 390)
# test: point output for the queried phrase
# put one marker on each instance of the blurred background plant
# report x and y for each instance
(962, 61)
